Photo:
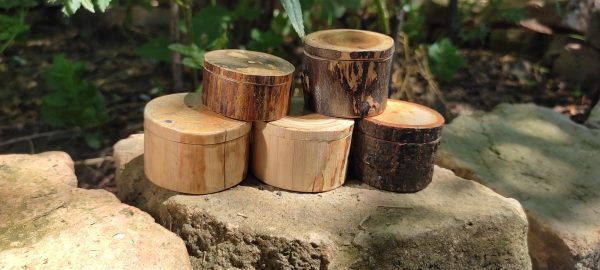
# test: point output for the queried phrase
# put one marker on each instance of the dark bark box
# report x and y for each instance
(347, 72)
(395, 150)
(246, 85)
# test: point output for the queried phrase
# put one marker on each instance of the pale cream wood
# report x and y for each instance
(182, 118)
(171, 162)
(286, 155)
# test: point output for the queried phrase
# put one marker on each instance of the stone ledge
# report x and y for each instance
(544, 160)
(46, 222)
(452, 224)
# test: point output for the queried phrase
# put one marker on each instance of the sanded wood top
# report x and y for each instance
(249, 66)
(182, 118)
(312, 126)
(349, 44)
(402, 121)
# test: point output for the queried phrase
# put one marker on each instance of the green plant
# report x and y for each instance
(73, 102)
(476, 18)
(12, 20)
(444, 60)
(71, 6)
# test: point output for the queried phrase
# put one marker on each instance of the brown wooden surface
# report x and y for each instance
(192, 150)
(346, 72)
(404, 122)
(302, 153)
(349, 44)
(395, 151)
(246, 85)
(397, 167)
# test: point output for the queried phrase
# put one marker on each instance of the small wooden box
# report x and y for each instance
(306, 153)
(395, 151)
(347, 72)
(246, 85)
(190, 149)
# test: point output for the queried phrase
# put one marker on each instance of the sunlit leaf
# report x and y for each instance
(294, 12)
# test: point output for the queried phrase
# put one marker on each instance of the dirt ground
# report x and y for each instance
(128, 81)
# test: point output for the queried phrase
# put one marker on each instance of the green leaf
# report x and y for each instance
(93, 140)
(87, 4)
(444, 60)
(210, 23)
(156, 48)
(102, 5)
(294, 12)
(73, 102)
(193, 56)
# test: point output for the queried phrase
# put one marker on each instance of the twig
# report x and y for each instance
(176, 57)
(93, 161)
(37, 136)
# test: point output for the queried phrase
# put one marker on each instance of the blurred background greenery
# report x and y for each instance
(76, 73)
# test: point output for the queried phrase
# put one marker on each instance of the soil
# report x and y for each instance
(128, 81)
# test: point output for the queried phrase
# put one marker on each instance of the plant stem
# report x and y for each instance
(187, 17)
(384, 16)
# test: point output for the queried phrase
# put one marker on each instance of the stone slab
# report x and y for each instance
(593, 120)
(452, 224)
(46, 222)
(544, 160)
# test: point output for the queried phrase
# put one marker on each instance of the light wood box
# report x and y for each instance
(347, 72)
(395, 150)
(247, 85)
(190, 149)
(305, 153)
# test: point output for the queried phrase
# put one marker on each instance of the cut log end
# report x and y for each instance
(402, 114)
(349, 44)
(249, 62)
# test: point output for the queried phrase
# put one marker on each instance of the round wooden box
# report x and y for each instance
(190, 149)
(246, 85)
(395, 151)
(347, 72)
(305, 153)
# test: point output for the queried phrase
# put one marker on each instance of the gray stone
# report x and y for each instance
(452, 224)
(578, 63)
(593, 120)
(46, 222)
(544, 160)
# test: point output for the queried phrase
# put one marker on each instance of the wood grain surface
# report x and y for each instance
(192, 150)
(246, 85)
(395, 151)
(307, 153)
(346, 72)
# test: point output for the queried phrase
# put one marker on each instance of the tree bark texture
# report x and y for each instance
(348, 89)
(393, 166)
(246, 85)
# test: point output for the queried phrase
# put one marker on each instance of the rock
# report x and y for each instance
(578, 63)
(593, 120)
(573, 15)
(452, 224)
(593, 34)
(544, 160)
(46, 222)
(519, 40)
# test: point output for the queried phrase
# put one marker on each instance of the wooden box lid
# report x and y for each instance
(249, 67)
(308, 127)
(404, 122)
(349, 44)
(182, 118)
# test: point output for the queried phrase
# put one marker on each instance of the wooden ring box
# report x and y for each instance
(190, 149)
(395, 150)
(305, 153)
(246, 85)
(347, 72)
